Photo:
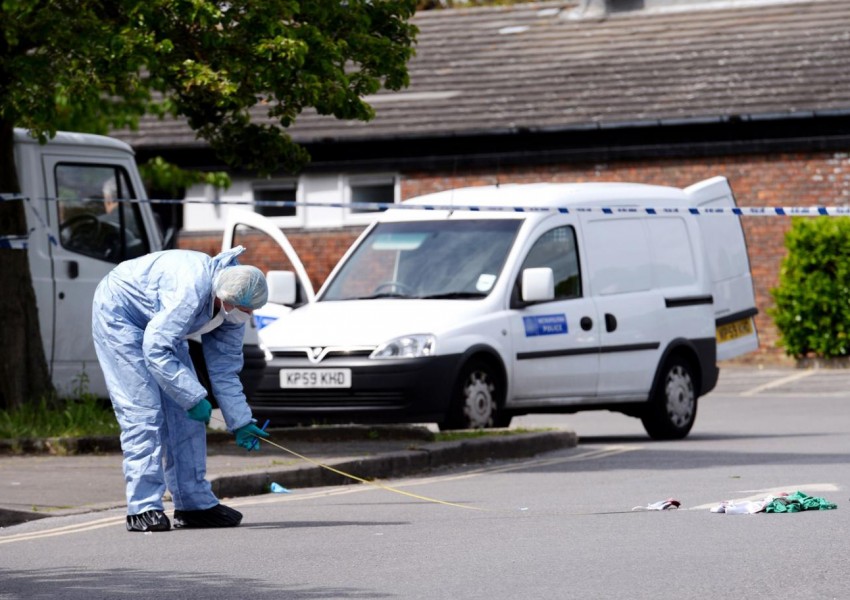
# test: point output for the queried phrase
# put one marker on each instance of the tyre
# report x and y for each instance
(477, 399)
(672, 408)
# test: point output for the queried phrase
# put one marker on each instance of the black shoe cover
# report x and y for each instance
(217, 516)
(152, 520)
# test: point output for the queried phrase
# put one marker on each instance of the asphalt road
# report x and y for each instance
(559, 526)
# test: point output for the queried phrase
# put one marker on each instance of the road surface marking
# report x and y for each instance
(777, 382)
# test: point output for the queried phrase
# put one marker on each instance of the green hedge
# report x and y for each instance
(812, 299)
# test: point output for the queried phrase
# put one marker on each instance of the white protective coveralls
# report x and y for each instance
(143, 311)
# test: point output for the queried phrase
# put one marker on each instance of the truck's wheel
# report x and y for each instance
(476, 399)
(672, 409)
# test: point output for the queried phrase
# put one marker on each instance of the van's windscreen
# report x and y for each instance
(426, 259)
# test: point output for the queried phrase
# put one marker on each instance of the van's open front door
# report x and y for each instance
(267, 249)
(729, 264)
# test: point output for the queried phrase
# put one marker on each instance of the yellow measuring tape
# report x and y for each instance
(361, 479)
(368, 481)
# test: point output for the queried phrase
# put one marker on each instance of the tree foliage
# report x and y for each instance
(238, 71)
(171, 181)
(93, 65)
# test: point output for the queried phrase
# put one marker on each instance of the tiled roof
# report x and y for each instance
(533, 67)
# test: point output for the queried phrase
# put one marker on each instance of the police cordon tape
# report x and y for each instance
(763, 211)
(20, 241)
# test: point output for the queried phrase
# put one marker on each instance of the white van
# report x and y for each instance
(470, 306)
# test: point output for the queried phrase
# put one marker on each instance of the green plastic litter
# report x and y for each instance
(798, 501)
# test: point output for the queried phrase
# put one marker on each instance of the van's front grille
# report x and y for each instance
(339, 399)
(323, 353)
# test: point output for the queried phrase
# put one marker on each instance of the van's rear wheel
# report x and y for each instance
(477, 399)
(672, 408)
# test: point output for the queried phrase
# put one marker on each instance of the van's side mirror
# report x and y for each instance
(538, 284)
(282, 287)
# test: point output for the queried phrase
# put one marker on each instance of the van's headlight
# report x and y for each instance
(407, 346)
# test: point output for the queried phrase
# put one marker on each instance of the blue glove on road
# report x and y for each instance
(246, 435)
(202, 411)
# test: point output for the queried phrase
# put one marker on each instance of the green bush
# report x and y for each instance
(812, 299)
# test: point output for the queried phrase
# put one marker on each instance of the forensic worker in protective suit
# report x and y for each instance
(144, 310)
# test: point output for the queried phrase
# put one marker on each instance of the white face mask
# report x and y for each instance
(236, 316)
(211, 324)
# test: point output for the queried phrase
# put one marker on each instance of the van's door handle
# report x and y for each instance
(586, 323)
(73, 269)
(610, 322)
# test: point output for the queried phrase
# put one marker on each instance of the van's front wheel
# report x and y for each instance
(672, 408)
(476, 399)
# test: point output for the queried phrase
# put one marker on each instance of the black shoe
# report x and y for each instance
(152, 520)
(217, 516)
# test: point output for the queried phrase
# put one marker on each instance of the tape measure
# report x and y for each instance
(355, 477)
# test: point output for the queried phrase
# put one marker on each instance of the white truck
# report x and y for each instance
(81, 225)
(77, 234)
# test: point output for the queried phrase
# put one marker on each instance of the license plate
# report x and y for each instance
(734, 330)
(315, 378)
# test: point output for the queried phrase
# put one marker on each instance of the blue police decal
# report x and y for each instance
(263, 321)
(545, 325)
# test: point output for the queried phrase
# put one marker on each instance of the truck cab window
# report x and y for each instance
(93, 220)
(557, 249)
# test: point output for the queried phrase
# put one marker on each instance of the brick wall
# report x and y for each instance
(778, 180)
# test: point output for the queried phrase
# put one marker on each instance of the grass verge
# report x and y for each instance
(77, 417)
(466, 434)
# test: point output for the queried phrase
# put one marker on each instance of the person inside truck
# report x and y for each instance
(98, 225)
(143, 312)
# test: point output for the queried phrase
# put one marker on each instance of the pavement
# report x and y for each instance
(45, 478)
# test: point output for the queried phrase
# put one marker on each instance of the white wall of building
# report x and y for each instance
(322, 200)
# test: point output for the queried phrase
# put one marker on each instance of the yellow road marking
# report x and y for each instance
(592, 454)
(78, 528)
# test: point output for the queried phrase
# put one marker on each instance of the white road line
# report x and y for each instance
(602, 452)
(777, 382)
(591, 454)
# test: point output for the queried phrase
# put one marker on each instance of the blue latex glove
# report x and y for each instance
(202, 411)
(246, 435)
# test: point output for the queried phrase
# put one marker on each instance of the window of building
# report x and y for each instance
(370, 191)
(281, 191)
